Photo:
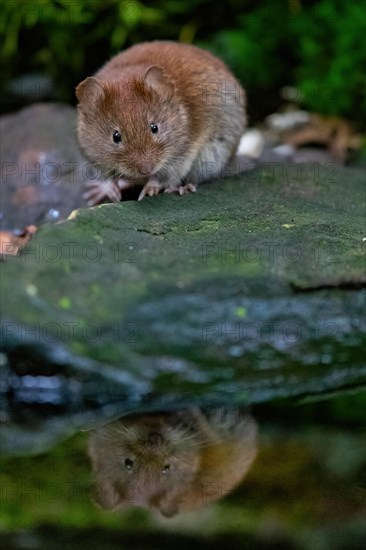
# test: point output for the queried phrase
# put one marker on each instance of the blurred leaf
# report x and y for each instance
(118, 37)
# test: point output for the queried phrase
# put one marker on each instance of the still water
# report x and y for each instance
(287, 473)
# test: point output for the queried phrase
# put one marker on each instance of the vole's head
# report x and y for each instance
(132, 126)
(144, 460)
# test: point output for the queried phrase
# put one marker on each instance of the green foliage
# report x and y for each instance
(257, 51)
(316, 46)
(320, 50)
(331, 72)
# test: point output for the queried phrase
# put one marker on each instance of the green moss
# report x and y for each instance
(195, 275)
(64, 302)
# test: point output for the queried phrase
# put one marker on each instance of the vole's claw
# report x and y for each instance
(150, 189)
(181, 189)
(187, 188)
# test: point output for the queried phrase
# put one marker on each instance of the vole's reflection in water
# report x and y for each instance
(171, 461)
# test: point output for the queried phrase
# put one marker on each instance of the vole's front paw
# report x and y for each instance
(100, 191)
(181, 189)
(151, 188)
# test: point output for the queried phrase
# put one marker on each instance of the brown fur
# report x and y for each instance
(197, 103)
(181, 460)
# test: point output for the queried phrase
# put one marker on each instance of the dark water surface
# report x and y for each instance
(285, 473)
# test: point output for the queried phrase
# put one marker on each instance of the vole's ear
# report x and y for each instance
(89, 90)
(156, 79)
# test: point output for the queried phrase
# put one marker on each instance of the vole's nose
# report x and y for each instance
(155, 439)
(144, 166)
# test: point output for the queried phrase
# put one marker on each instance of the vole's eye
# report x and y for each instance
(166, 469)
(154, 128)
(117, 137)
(128, 464)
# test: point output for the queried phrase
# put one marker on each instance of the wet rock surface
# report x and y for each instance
(249, 290)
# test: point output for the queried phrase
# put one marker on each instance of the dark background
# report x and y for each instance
(316, 47)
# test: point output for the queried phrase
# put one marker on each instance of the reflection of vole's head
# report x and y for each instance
(140, 459)
(170, 461)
